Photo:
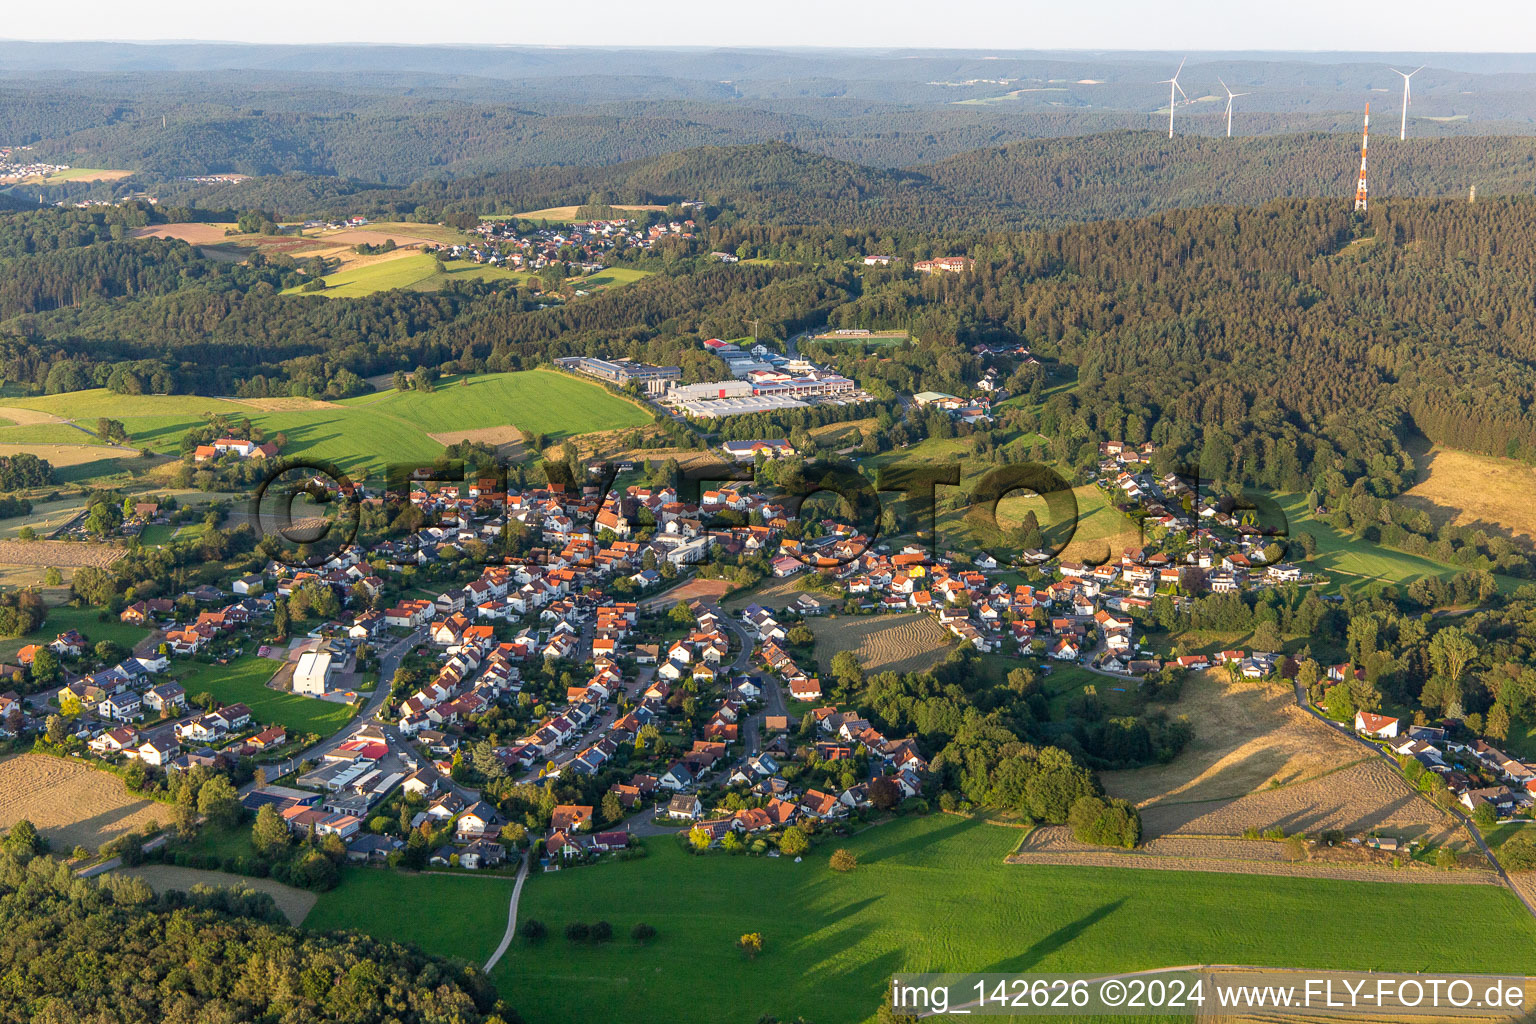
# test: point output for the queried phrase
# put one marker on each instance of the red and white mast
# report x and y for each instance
(1365, 138)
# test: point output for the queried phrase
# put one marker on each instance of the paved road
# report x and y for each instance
(517, 892)
(389, 661)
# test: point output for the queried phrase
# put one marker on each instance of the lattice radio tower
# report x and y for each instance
(1365, 138)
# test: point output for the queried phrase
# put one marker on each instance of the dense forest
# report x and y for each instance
(1029, 184)
(111, 950)
(1293, 345)
(456, 111)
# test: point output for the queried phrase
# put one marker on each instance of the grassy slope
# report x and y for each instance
(832, 941)
(545, 401)
(1348, 557)
(451, 914)
(417, 271)
(245, 682)
(361, 435)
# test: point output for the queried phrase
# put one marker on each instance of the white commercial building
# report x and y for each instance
(313, 673)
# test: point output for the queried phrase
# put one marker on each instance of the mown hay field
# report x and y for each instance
(908, 642)
(294, 903)
(1257, 761)
(1481, 491)
(71, 804)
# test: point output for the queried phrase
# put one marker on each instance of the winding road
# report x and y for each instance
(1477, 837)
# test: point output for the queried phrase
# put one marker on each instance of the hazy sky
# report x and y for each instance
(1483, 25)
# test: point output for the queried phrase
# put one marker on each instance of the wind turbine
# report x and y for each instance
(1172, 84)
(1230, 97)
(1402, 132)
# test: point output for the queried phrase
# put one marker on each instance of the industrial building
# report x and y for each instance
(622, 371)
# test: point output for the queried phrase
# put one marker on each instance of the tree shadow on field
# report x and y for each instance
(1055, 941)
(899, 849)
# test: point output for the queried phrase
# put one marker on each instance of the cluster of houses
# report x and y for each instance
(242, 447)
(1514, 785)
(582, 248)
(839, 736)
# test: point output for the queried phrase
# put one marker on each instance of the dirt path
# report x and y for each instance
(517, 892)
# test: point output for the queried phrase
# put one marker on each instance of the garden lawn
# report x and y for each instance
(244, 681)
(456, 915)
(65, 618)
(933, 894)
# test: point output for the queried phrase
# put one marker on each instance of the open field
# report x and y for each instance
(361, 435)
(192, 234)
(454, 915)
(1053, 844)
(833, 940)
(1349, 556)
(245, 681)
(75, 462)
(568, 213)
(689, 590)
(413, 270)
(908, 642)
(294, 903)
(77, 174)
(772, 592)
(58, 552)
(1098, 532)
(71, 804)
(1475, 490)
(55, 435)
(1102, 533)
(541, 401)
(610, 277)
(1258, 761)
(442, 234)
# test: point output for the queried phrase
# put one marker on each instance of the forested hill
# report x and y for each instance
(1127, 174)
(111, 950)
(1034, 184)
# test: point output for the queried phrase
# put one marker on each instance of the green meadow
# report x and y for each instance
(361, 435)
(543, 401)
(418, 272)
(86, 620)
(244, 681)
(933, 894)
(1363, 560)
(460, 915)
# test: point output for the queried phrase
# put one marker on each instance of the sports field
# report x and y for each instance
(245, 682)
(833, 940)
